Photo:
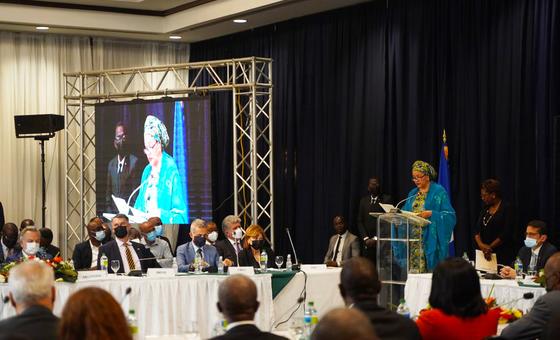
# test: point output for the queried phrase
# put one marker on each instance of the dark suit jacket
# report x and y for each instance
(350, 249)
(547, 250)
(243, 332)
(82, 256)
(226, 250)
(53, 251)
(2, 219)
(121, 184)
(111, 249)
(36, 322)
(18, 255)
(367, 224)
(388, 325)
(246, 258)
(531, 325)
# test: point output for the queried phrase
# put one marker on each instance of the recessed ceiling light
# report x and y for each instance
(42, 28)
(240, 21)
(175, 37)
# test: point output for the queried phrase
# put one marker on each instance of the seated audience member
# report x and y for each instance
(343, 245)
(46, 243)
(92, 313)
(85, 253)
(32, 294)
(237, 301)
(131, 255)
(30, 239)
(157, 246)
(186, 253)
(458, 310)
(344, 323)
(26, 223)
(134, 235)
(254, 243)
(536, 251)
(552, 330)
(547, 307)
(230, 247)
(9, 240)
(156, 221)
(212, 233)
(359, 286)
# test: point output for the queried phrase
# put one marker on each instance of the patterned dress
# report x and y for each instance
(417, 261)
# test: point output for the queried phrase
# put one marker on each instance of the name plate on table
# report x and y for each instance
(249, 271)
(313, 267)
(161, 272)
(91, 275)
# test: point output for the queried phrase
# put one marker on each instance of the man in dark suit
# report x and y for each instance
(237, 301)
(343, 245)
(344, 323)
(10, 235)
(29, 246)
(546, 307)
(359, 287)
(32, 294)
(536, 252)
(122, 170)
(85, 254)
(367, 224)
(131, 255)
(230, 247)
(46, 243)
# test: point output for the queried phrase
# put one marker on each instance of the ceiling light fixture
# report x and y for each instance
(240, 21)
(42, 28)
(175, 37)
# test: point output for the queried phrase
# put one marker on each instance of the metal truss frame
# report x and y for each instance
(248, 79)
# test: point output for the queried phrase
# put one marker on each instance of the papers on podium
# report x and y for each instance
(389, 208)
(134, 215)
(483, 264)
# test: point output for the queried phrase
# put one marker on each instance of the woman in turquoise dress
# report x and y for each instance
(430, 201)
(161, 192)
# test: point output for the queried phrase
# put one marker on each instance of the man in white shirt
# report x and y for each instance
(85, 253)
(157, 246)
(342, 246)
(131, 255)
(29, 242)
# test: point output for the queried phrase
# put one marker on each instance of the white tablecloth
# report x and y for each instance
(322, 289)
(417, 292)
(167, 305)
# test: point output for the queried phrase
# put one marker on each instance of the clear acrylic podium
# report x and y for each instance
(397, 234)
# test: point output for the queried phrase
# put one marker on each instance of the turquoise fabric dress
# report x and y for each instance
(165, 192)
(435, 236)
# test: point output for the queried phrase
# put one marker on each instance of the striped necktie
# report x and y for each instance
(129, 258)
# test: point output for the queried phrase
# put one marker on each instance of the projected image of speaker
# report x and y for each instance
(153, 159)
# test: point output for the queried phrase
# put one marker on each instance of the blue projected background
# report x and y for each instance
(182, 190)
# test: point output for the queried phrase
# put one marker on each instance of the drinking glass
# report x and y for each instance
(115, 266)
(279, 261)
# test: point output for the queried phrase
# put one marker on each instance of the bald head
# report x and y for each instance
(359, 280)
(344, 323)
(237, 298)
(146, 227)
(552, 272)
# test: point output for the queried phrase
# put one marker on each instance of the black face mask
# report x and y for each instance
(121, 231)
(257, 244)
(9, 242)
(199, 241)
(122, 147)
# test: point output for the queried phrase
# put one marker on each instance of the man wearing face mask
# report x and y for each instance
(131, 255)
(187, 252)
(122, 171)
(8, 241)
(230, 247)
(157, 246)
(85, 253)
(547, 306)
(212, 233)
(156, 221)
(342, 246)
(30, 244)
(536, 251)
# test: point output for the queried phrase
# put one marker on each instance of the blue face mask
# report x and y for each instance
(100, 235)
(151, 236)
(159, 230)
(530, 242)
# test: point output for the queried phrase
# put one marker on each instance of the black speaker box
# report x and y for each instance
(30, 126)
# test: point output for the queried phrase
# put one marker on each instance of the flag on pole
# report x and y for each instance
(444, 180)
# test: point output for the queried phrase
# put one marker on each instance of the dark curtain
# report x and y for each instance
(367, 90)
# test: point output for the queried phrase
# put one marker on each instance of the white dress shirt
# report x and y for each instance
(4, 249)
(94, 255)
(338, 258)
(233, 242)
(120, 165)
(135, 257)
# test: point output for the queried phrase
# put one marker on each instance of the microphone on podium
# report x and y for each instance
(295, 266)
(134, 191)
(126, 293)
(396, 209)
(526, 296)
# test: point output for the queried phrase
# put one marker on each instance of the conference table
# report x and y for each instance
(417, 292)
(187, 304)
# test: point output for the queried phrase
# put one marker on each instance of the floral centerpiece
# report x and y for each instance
(507, 315)
(63, 270)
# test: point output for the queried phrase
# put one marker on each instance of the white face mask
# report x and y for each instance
(32, 248)
(213, 236)
(238, 234)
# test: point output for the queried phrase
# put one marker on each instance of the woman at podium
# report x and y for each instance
(429, 200)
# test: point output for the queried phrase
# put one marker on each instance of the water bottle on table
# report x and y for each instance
(264, 261)
(403, 310)
(221, 265)
(104, 262)
(289, 262)
(518, 266)
(132, 323)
